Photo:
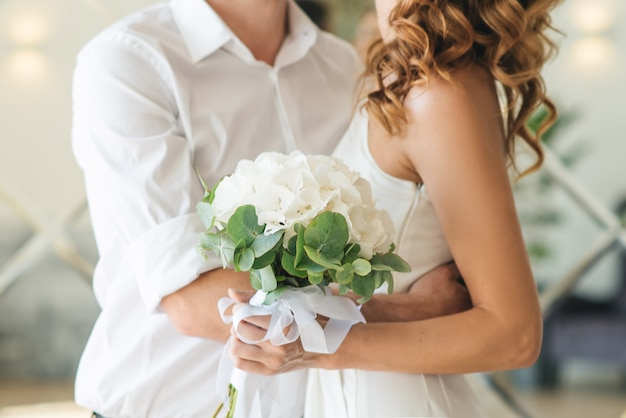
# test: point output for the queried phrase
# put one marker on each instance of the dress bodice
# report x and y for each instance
(419, 238)
(418, 235)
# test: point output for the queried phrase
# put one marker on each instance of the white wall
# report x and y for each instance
(588, 77)
(47, 313)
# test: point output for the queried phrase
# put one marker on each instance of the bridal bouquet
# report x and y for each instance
(299, 223)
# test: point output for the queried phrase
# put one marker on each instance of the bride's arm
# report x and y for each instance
(454, 140)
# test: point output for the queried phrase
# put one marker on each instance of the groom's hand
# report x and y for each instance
(444, 287)
(437, 293)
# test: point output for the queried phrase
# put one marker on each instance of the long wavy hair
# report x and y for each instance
(435, 37)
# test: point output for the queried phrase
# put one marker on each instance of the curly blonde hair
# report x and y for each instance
(435, 37)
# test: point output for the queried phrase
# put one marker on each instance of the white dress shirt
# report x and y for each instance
(156, 95)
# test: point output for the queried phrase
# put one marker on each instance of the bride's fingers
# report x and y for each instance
(261, 321)
(240, 354)
(249, 331)
(261, 358)
(240, 296)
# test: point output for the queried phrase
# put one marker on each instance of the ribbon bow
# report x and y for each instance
(299, 308)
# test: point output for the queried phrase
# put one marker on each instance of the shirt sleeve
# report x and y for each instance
(138, 165)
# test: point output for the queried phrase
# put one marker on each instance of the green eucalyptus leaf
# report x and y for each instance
(288, 263)
(327, 234)
(206, 213)
(361, 266)
(264, 260)
(274, 295)
(363, 299)
(244, 259)
(299, 248)
(345, 275)
(264, 243)
(292, 281)
(210, 241)
(378, 277)
(291, 244)
(255, 280)
(396, 262)
(315, 277)
(318, 258)
(388, 277)
(244, 225)
(221, 244)
(267, 277)
(363, 286)
(351, 253)
(381, 267)
(241, 244)
(343, 290)
(309, 265)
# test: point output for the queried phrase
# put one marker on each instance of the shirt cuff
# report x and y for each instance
(166, 259)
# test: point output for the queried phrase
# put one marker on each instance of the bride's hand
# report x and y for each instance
(263, 358)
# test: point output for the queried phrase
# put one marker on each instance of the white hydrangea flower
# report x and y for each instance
(294, 188)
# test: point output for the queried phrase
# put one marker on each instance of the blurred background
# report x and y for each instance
(573, 211)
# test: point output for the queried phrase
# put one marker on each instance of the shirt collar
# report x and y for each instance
(204, 31)
(301, 37)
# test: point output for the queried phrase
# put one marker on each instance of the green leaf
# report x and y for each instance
(299, 244)
(388, 277)
(255, 280)
(318, 258)
(396, 262)
(316, 278)
(244, 259)
(266, 277)
(363, 299)
(327, 234)
(264, 243)
(378, 277)
(361, 266)
(288, 263)
(244, 225)
(309, 265)
(351, 253)
(363, 286)
(265, 260)
(221, 244)
(274, 295)
(206, 213)
(343, 290)
(210, 241)
(291, 280)
(381, 267)
(345, 275)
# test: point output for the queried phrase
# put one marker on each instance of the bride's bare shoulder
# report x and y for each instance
(464, 89)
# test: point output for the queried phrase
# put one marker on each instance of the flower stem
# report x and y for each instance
(232, 396)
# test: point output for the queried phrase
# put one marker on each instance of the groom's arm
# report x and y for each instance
(437, 293)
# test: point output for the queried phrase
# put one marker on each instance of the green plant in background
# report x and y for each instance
(346, 15)
(537, 209)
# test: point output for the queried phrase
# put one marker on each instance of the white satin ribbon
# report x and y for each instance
(298, 308)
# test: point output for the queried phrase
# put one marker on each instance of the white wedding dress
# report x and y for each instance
(419, 240)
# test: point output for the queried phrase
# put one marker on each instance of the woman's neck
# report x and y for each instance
(260, 24)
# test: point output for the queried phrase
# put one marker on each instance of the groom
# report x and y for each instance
(180, 86)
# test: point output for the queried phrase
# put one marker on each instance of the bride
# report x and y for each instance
(451, 85)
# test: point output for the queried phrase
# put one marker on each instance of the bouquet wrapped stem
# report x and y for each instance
(298, 224)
